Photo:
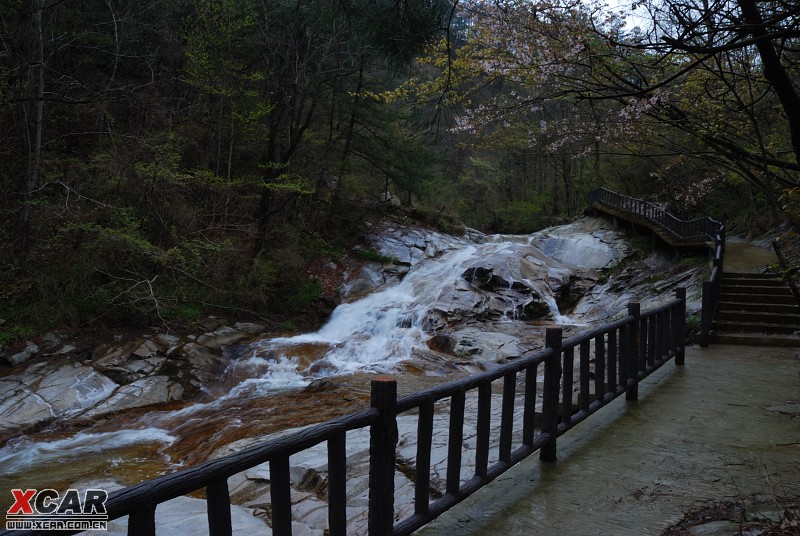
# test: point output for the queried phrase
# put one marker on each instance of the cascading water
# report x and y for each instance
(376, 333)
(496, 280)
(382, 329)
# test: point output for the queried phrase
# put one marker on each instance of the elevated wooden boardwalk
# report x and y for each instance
(677, 233)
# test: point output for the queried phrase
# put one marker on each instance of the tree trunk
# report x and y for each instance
(774, 71)
(348, 140)
(34, 166)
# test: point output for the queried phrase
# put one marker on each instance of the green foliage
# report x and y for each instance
(524, 216)
(691, 261)
(692, 326)
(183, 312)
(373, 256)
(301, 293)
(15, 333)
(204, 153)
(642, 244)
(291, 183)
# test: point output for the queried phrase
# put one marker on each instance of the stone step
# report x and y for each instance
(754, 327)
(748, 275)
(787, 299)
(754, 339)
(760, 317)
(755, 308)
(764, 291)
(749, 282)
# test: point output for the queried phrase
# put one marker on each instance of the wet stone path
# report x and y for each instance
(724, 428)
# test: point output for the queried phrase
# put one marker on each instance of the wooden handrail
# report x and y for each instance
(681, 229)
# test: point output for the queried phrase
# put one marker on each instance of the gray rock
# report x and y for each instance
(24, 355)
(144, 392)
(165, 341)
(369, 277)
(189, 516)
(19, 406)
(200, 363)
(52, 339)
(67, 348)
(715, 528)
(105, 356)
(49, 390)
(587, 243)
(790, 408)
(249, 327)
(147, 348)
(221, 337)
(768, 516)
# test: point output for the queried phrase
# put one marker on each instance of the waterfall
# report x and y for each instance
(381, 330)
(499, 280)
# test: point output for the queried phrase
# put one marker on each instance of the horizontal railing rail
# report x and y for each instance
(575, 378)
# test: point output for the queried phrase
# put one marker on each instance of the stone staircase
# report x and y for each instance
(756, 309)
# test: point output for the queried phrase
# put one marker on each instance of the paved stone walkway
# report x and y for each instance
(743, 257)
(725, 427)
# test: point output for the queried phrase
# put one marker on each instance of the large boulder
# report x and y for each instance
(48, 390)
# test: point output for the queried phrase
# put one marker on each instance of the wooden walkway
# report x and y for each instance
(661, 232)
(677, 233)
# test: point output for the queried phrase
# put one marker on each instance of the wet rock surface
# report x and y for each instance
(64, 386)
(46, 391)
(494, 308)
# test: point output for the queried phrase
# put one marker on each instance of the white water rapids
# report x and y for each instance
(376, 333)
(383, 329)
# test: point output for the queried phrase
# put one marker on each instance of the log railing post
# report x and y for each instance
(337, 484)
(143, 521)
(679, 326)
(550, 394)
(455, 443)
(706, 315)
(281, 495)
(218, 506)
(382, 457)
(632, 351)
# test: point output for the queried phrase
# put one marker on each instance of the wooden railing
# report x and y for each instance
(597, 366)
(788, 252)
(711, 288)
(682, 231)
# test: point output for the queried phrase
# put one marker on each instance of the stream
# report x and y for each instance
(456, 306)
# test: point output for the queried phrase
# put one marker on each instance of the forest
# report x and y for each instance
(163, 160)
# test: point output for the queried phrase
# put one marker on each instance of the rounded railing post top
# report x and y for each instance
(383, 378)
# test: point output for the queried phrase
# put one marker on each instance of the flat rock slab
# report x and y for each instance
(185, 515)
(48, 390)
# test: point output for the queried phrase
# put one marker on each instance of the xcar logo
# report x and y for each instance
(47, 510)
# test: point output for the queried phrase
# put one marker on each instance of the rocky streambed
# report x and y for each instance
(445, 306)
